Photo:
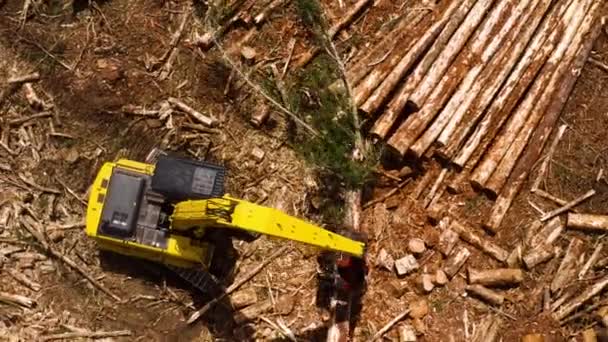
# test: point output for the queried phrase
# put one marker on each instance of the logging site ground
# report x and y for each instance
(107, 70)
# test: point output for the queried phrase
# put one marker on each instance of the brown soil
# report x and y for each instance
(107, 45)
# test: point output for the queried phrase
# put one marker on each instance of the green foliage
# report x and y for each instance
(328, 112)
(333, 213)
(312, 15)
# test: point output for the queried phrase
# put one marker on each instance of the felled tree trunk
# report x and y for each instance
(369, 103)
(415, 124)
(346, 19)
(443, 62)
(587, 294)
(539, 255)
(543, 85)
(398, 103)
(380, 54)
(536, 144)
(515, 86)
(486, 294)
(479, 98)
(482, 50)
(504, 169)
(456, 260)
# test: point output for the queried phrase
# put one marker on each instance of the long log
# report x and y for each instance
(518, 81)
(548, 74)
(344, 20)
(500, 175)
(229, 17)
(480, 56)
(398, 103)
(399, 61)
(445, 59)
(569, 265)
(587, 222)
(485, 88)
(380, 53)
(537, 143)
(369, 103)
(86, 334)
(348, 17)
(12, 299)
(416, 123)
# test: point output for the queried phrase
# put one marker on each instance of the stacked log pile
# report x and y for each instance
(478, 85)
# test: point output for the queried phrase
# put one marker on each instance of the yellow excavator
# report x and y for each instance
(163, 211)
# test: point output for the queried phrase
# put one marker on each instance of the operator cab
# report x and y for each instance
(137, 205)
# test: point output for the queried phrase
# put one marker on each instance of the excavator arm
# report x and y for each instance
(163, 211)
(228, 212)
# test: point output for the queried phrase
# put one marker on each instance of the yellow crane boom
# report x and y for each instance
(238, 214)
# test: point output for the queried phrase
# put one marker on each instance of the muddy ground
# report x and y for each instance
(92, 63)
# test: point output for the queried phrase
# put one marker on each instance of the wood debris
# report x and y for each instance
(473, 238)
(587, 222)
(589, 292)
(235, 286)
(496, 277)
(17, 300)
(86, 334)
(406, 265)
(204, 119)
(486, 294)
(568, 206)
(569, 266)
(389, 325)
(457, 259)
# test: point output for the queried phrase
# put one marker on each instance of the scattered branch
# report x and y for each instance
(29, 225)
(284, 110)
(389, 325)
(568, 206)
(548, 157)
(387, 195)
(86, 334)
(196, 315)
(17, 300)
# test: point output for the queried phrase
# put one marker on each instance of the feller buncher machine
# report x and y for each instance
(165, 211)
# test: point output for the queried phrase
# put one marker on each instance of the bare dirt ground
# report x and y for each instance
(92, 63)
